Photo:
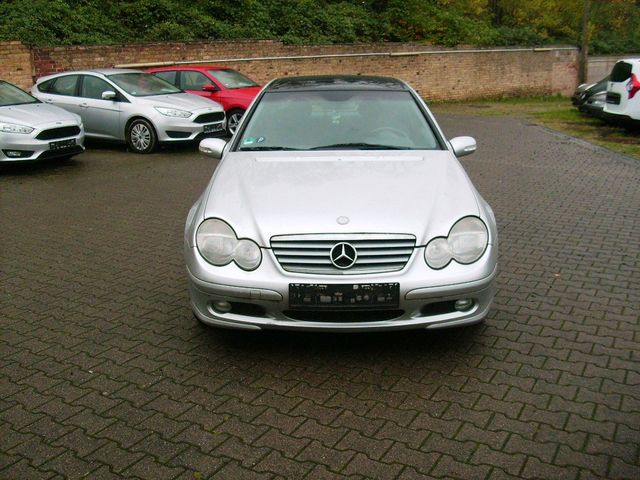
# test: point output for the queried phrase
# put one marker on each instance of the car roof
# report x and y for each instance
(189, 67)
(99, 71)
(336, 82)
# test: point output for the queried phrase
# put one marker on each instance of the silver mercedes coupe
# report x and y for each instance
(339, 205)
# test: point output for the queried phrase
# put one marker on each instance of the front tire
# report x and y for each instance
(233, 118)
(141, 136)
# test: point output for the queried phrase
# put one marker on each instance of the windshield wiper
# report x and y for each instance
(265, 149)
(360, 146)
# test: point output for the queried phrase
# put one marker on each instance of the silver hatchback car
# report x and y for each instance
(32, 130)
(132, 106)
(339, 205)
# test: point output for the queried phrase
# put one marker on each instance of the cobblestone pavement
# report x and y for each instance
(105, 373)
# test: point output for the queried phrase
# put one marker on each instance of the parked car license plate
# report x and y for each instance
(62, 144)
(213, 127)
(344, 296)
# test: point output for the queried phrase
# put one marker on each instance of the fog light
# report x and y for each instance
(222, 307)
(17, 153)
(463, 304)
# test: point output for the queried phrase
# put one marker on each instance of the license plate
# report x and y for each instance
(62, 144)
(344, 296)
(213, 127)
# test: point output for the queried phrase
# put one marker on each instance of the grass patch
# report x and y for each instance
(554, 112)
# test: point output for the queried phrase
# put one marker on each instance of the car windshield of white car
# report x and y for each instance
(338, 120)
(12, 95)
(143, 84)
(232, 79)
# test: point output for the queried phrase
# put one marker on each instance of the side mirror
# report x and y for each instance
(213, 147)
(109, 95)
(463, 145)
(209, 87)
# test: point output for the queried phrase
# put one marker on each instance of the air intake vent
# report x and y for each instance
(62, 132)
(210, 117)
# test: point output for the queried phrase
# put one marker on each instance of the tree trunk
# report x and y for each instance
(583, 59)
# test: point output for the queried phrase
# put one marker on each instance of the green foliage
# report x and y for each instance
(614, 26)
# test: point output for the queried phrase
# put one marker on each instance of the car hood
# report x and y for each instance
(34, 114)
(417, 192)
(184, 101)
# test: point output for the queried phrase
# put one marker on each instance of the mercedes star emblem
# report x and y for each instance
(343, 255)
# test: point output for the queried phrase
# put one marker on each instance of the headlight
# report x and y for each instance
(466, 242)
(173, 112)
(15, 128)
(598, 99)
(219, 245)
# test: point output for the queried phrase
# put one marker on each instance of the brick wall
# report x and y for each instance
(15, 64)
(436, 73)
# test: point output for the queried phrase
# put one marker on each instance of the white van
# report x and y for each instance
(623, 93)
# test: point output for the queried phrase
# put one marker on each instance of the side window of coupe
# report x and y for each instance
(64, 85)
(92, 87)
(193, 80)
(169, 76)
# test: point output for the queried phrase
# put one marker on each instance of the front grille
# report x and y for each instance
(61, 132)
(613, 98)
(210, 117)
(376, 253)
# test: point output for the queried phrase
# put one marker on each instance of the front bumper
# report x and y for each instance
(174, 129)
(15, 147)
(261, 299)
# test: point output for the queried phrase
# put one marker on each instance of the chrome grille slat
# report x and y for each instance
(377, 253)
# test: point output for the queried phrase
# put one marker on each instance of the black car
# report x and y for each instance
(586, 91)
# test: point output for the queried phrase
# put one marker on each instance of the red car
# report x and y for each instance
(224, 85)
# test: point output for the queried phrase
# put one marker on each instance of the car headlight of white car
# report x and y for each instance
(466, 242)
(219, 245)
(15, 128)
(173, 112)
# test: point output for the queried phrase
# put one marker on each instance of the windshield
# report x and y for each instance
(338, 120)
(232, 79)
(12, 95)
(141, 84)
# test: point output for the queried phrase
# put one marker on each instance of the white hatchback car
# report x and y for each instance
(623, 93)
(132, 106)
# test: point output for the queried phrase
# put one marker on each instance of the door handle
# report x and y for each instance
(48, 100)
(84, 105)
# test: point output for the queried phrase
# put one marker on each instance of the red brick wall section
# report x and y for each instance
(437, 73)
(15, 64)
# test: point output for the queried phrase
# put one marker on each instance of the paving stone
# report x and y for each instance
(328, 436)
(198, 464)
(149, 468)
(448, 467)
(334, 460)
(115, 457)
(104, 370)
(276, 463)
(70, 466)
